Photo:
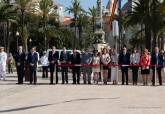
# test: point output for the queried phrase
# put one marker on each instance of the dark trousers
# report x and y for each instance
(33, 76)
(20, 73)
(51, 77)
(124, 75)
(159, 76)
(56, 75)
(135, 74)
(76, 75)
(44, 71)
(109, 73)
(52, 69)
(10, 70)
(64, 75)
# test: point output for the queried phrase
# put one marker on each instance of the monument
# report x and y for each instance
(99, 42)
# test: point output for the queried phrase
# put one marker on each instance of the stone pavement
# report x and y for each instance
(79, 99)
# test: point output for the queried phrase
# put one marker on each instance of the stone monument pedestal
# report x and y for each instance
(100, 46)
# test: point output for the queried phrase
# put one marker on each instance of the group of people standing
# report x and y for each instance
(102, 66)
(31, 59)
(145, 61)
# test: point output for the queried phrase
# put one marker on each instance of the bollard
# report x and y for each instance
(155, 74)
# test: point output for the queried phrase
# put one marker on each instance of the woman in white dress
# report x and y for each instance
(96, 66)
(105, 60)
(114, 69)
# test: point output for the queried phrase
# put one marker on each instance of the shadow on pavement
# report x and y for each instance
(45, 105)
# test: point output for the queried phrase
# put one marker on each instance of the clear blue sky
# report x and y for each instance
(84, 3)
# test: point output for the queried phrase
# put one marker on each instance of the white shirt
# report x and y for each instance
(96, 60)
(114, 59)
(44, 60)
(3, 58)
(105, 58)
(135, 58)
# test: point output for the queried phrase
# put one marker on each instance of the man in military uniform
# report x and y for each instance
(3, 60)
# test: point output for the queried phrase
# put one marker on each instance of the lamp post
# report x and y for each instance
(123, 38)
(115, 30)
(30, 41)
(17, 35)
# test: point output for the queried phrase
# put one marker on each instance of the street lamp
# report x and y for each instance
(123, 38)
(116, 32)
(30, 41)
(17, 35)
(161, 1)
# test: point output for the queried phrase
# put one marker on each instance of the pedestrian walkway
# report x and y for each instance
(79, 99)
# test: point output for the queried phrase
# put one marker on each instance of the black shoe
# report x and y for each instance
(50, 83)
(89, 82)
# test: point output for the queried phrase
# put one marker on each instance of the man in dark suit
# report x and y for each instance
(53, 61)
(75, 60)
(157, 59)
(20, 62)
(124, 59)
(64, 56)
(32, 60)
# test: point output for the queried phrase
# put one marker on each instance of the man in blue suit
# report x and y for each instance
(124, 59)
(32, 60)
(157, 59)
(64, 57)
(53, 61)
(75, 59)
(20, 64)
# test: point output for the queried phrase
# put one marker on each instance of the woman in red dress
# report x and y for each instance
(145, 63)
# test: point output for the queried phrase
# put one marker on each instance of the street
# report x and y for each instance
(79, 99)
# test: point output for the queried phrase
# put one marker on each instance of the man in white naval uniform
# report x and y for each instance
(3, 59)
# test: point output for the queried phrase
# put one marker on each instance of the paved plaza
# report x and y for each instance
(79, 99)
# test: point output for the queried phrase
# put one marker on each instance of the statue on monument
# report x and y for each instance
(99, 33)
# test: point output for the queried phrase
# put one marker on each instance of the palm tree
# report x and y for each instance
(82, 22)
(157, 21)
(75, 9)
(92, 12)
(7, 15)
(148, 13)
(46, 6)
(23, 6)
(141, 15)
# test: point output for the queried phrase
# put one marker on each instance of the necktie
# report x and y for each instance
(157, 59)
